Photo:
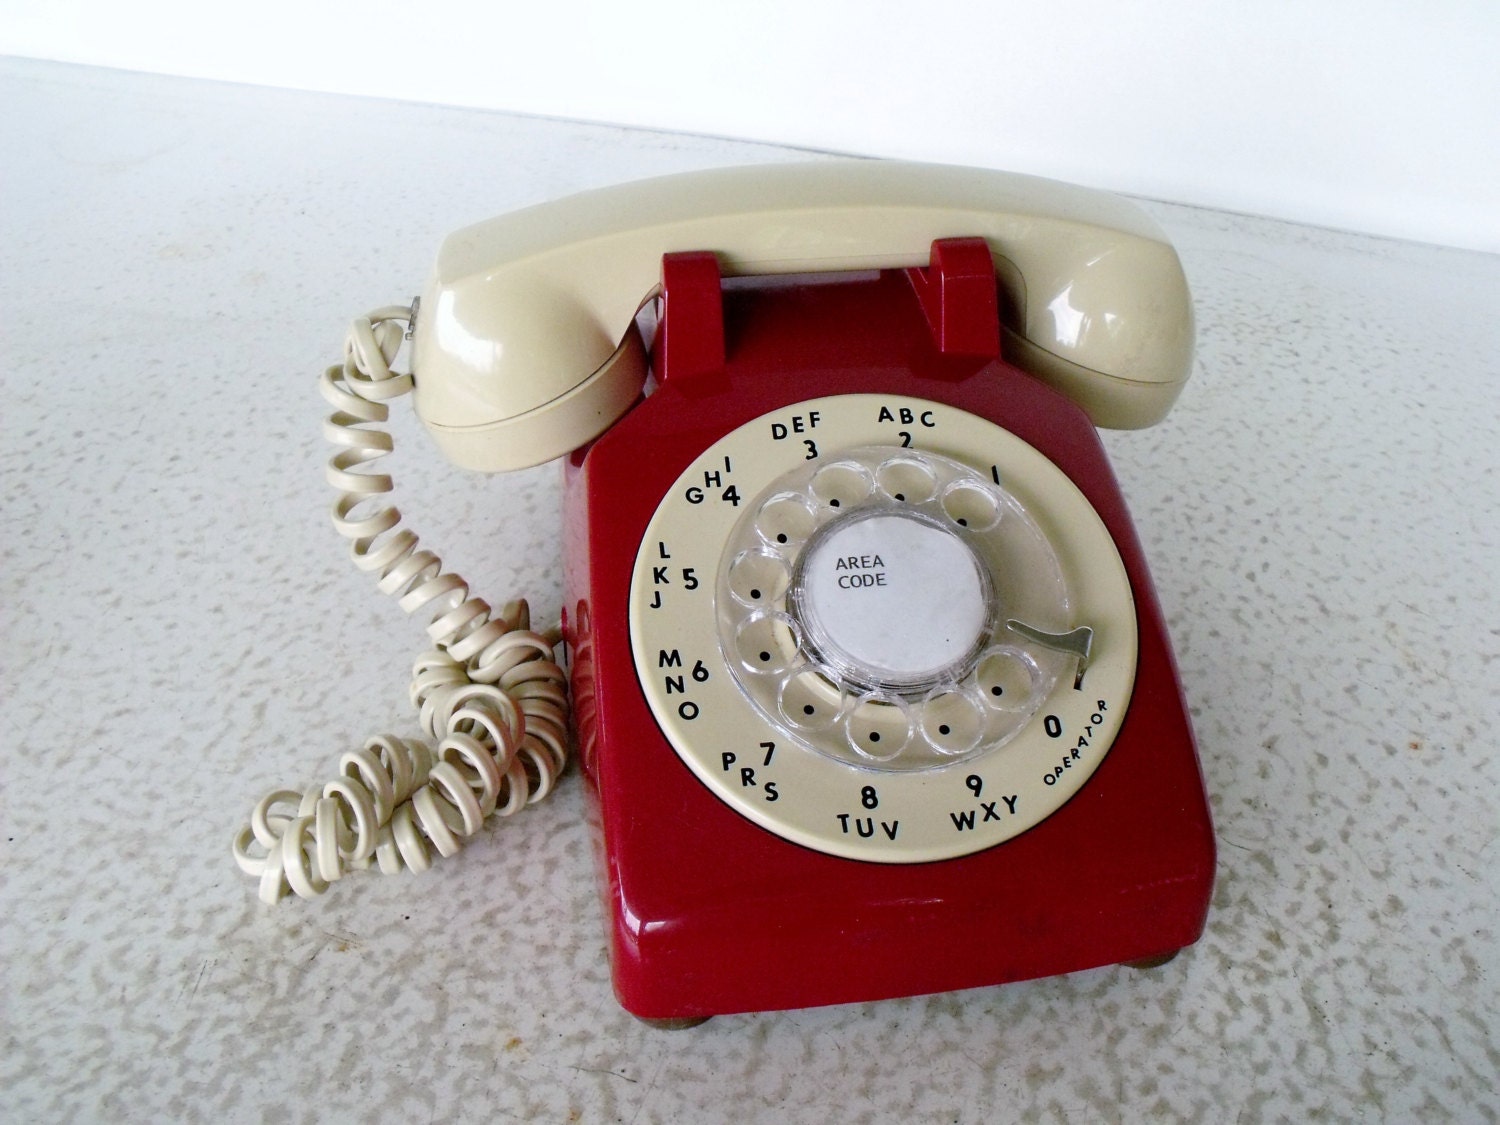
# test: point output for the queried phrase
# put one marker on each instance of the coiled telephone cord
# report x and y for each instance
(489, 695)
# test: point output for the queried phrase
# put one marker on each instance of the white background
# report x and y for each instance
(1368, 115)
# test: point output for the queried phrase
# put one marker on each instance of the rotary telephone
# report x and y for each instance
(870, 689)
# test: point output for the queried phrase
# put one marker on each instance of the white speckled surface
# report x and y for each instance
(1322, 512)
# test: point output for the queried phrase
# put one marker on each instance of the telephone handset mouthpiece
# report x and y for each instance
(524, 348)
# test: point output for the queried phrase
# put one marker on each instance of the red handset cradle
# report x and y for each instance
(712, 912)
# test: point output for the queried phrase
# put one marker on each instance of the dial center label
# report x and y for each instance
(892, 598)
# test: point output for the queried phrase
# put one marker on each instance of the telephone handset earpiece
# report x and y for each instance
(523, 347)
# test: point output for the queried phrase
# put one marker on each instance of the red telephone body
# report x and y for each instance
(712, 914)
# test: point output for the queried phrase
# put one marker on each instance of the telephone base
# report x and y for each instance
(686, 1023)
(712, 914)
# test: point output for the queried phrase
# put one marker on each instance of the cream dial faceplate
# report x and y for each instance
(857, 618)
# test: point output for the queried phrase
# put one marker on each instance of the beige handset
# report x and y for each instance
(524, 349)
